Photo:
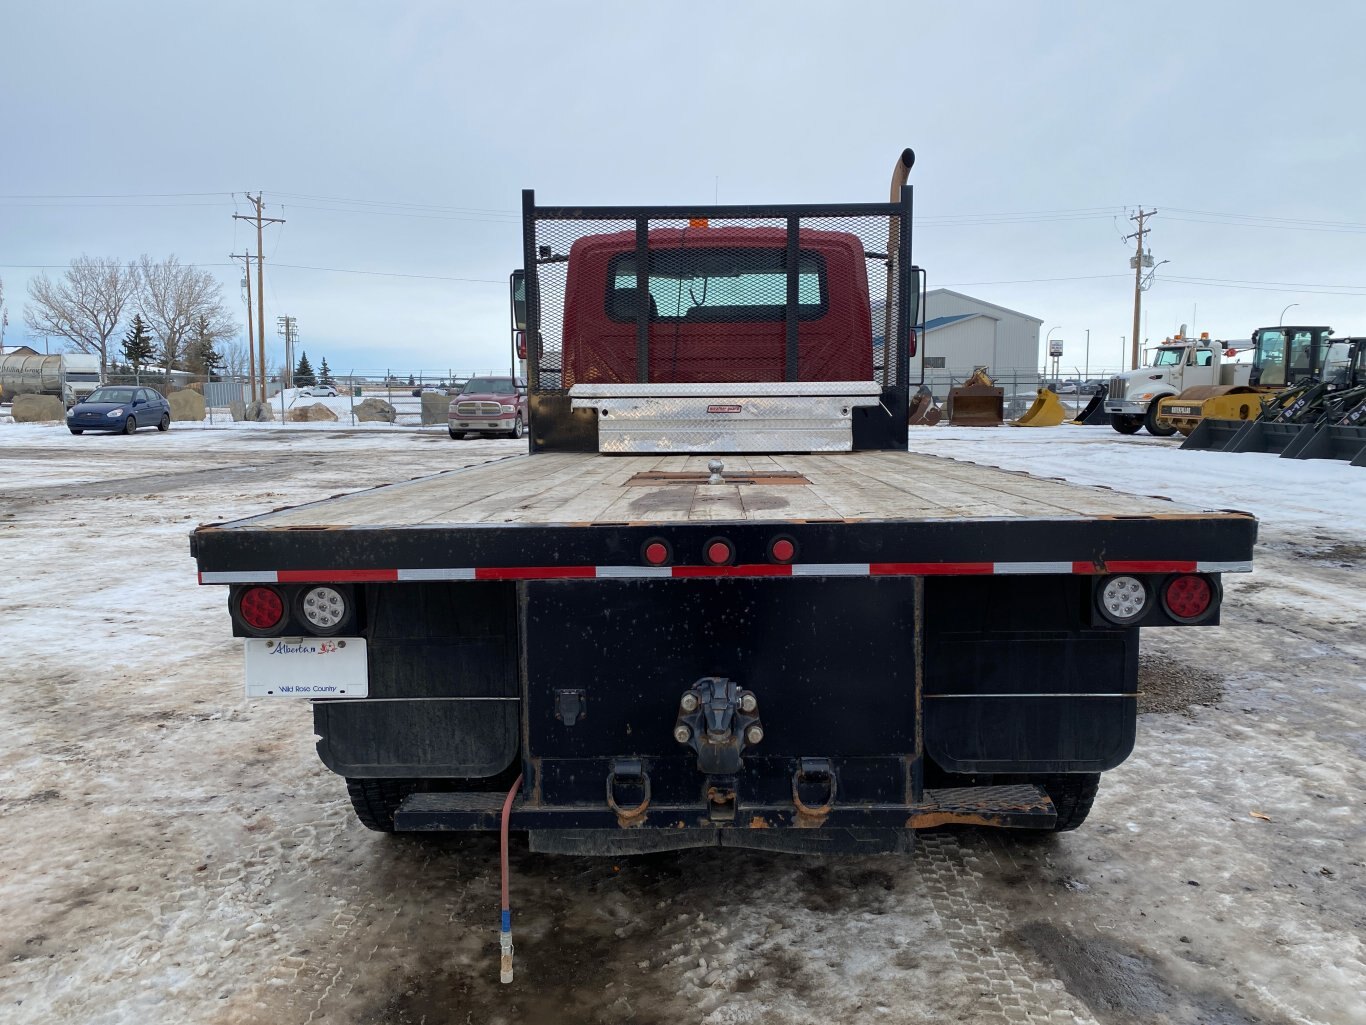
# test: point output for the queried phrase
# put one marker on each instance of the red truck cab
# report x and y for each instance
(718, 307)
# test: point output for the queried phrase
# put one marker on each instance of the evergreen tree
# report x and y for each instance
(303, 373)
(137, 345)
(411, 381)
(325, 373)
(202, 358)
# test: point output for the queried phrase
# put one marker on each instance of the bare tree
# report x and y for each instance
(234, 358)
(84, 305)
(174, 298)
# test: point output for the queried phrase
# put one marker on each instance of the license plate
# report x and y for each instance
(1181, 411)
(306, 667)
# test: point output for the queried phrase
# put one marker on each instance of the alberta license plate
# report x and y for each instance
(306, 667)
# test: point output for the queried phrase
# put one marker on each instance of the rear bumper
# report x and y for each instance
(1011, 807)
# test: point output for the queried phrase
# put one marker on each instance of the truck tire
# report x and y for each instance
(517, 427)
(1150, 421)
(376, 800)
(1072, 795)
(1126, 424)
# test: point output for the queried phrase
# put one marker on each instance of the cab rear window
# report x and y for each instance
(718, 285)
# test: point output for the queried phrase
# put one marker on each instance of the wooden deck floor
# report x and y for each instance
(588, 488)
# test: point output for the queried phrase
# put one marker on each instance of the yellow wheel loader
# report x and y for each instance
(1282, 357)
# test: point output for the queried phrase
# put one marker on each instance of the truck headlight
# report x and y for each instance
(508, 409)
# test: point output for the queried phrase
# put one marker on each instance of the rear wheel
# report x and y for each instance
(130, 425)
(164, 424)
(1072, 795)
(376, 800)
(1156, 429)
(1126, 424)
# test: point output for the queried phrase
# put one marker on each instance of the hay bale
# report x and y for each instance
(186, 406)
(375, 410)
(32, 409)
(316, 412)
(435, 408)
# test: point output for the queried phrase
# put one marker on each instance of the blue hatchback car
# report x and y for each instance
(120, 408)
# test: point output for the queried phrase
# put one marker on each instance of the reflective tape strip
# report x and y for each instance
(337, 576)
(753, 570)
(928, 569)
(436, 574)
(1224, 567)
(810, 569)
(1009, 568)
(534, 572)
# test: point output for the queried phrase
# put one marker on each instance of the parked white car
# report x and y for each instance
(315, 391)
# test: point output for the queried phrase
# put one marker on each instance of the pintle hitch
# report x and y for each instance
(718, 720)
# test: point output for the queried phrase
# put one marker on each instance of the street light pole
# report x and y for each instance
(1281, 319)
(1048, 355)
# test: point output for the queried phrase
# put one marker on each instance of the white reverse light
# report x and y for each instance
(1123, 599)
(323, 607)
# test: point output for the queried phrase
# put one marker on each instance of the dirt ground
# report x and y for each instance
(173, 853)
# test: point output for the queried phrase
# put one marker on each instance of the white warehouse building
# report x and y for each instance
(962, 333)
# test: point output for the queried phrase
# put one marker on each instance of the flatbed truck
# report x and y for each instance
(716, 602)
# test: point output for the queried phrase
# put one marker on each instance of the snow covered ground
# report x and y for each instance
(173, 853)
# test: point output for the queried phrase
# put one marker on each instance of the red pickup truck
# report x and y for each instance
(489, 405)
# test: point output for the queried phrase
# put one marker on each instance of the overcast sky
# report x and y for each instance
(395, 138)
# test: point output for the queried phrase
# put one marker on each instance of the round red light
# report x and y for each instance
(656, 553)
(782, 550)
(1188, 597)
(261, 608)
(718, 553)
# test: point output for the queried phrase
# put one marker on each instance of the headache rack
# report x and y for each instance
(720, 328)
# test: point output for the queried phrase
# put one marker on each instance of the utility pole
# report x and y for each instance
(1140, 259)
(251, 334)
(261, 221)
(289, 328)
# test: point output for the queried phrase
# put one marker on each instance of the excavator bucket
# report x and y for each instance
(923, 410)
(1094, 414)
(976, 403)
(1047, 410)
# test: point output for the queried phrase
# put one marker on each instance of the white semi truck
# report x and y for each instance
(70, 376)
(1174, 366)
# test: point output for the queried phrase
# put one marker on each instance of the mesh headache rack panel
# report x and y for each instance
(725, 295)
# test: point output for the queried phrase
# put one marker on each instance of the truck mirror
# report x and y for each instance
(517, 286)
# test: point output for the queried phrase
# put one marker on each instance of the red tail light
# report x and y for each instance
(1188, 597)
(719, 552)
(262, 608)
(521, 345)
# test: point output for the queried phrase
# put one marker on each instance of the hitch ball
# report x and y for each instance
(682, 734)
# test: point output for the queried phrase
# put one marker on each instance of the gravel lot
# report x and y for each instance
(172, 853)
